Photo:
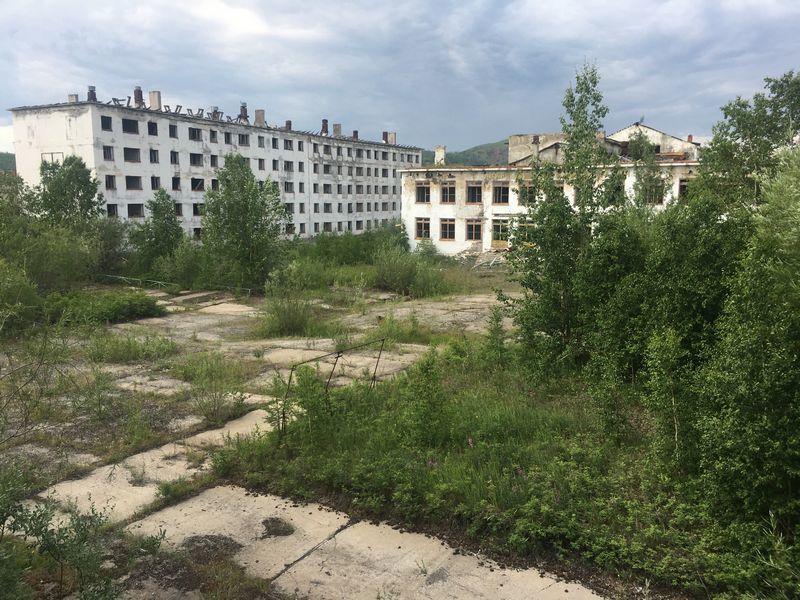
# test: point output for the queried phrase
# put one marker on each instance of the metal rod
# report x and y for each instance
(375, 372)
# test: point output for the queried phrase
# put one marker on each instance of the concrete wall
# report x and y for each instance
(489, 211)
(362, 192)
(666, 142)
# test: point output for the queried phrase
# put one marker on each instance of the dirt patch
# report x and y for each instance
(211, 546)
(276, 527)
(229, 308)
(152, 384)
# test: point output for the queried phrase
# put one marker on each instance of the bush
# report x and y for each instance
(182, 267)
(288, 316)
(408, 274)
(116, 348)
(19, 303)
(100, 306)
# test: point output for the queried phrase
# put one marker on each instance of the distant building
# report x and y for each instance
(471, 209)
(328, 181)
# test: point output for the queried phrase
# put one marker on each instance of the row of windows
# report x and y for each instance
(196, 134)
(136, 210)
(134, 155)
(473, 230)
(347, 190)
(327, 169)
(474, 193)
(134, 183)
(327, 150)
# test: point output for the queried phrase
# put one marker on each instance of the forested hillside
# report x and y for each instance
(494, 153)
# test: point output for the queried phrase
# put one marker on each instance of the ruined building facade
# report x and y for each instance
(330, 182)
(472, 209)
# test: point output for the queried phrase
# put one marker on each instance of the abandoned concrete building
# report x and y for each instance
(472, 209)
(330, 182)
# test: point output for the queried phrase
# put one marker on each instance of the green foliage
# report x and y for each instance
(100, 306)
(741, 155)
(493, 153)
(288, 316)
(160, 235)
(8, 161)
(415, 275)
(242, 225)
(19, 303)
(68, 193)
(183, 267)
(650, 185)
(124, 348)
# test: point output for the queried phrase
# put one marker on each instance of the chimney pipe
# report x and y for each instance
(155, 100)
(355, 134)
(690, 138)
(91, 96)
(261, 119)
(385, 137)
(138, 97)
(324, 127)
(72, 98)
(288, 124)
(391, 138)
(243, 111)
(337, 130)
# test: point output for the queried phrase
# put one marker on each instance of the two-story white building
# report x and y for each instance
(330, 182)
(472, 208)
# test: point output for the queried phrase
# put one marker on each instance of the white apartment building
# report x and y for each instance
(472, 209)
(329, 182)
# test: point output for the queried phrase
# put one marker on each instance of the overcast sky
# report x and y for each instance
(454, 72)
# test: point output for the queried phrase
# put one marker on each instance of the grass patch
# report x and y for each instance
(83, 307)
(292, 316)
(462, 441)
(125, 348)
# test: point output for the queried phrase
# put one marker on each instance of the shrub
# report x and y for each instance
(395, 270)
(100, 306)
(19, 303)
(182, 267)
(288, 316)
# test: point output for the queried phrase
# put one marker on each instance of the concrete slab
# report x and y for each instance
(229, 308)
(250, 423)
(249, 520)
(194, 297)
(366, 561)
(286, 357)
(162, 385)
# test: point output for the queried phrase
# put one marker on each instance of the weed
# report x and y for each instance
(124, 348)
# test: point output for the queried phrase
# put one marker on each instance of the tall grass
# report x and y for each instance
(123, 348)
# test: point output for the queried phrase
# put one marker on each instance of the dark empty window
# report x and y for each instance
(135, 211)
(197, 232)
(108, 152)
(447, 229)
(274, 143)
(214, 160)
(178, 209)
(228, 138)
(173, 131)
(153, 155)
(105, 123)
(244, 139)
(261, 141)
(474, 193)
(287, 145)
(152, 128)
(176, 184)
(215, 184)
(131, 155)
(198, 185)
(111, 182)
(196, 160)
(130, 126)
(173, 157)
(423, 193)
(423, 229)
(195, 134)
(133, 182)
(198, 209)
(111, 210)
(500, 194)
(212, 136)
(155, 182)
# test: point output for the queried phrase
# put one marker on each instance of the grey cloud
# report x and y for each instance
(459, 73)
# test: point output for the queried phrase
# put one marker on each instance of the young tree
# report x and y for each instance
(242, 223)
(160, 235)
(650, 185)
(585, 160)
(741, 155)
(68, 194)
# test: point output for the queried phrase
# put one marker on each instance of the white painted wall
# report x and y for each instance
(76, 129)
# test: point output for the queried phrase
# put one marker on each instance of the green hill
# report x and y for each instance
(7, 162)
(495, 153)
